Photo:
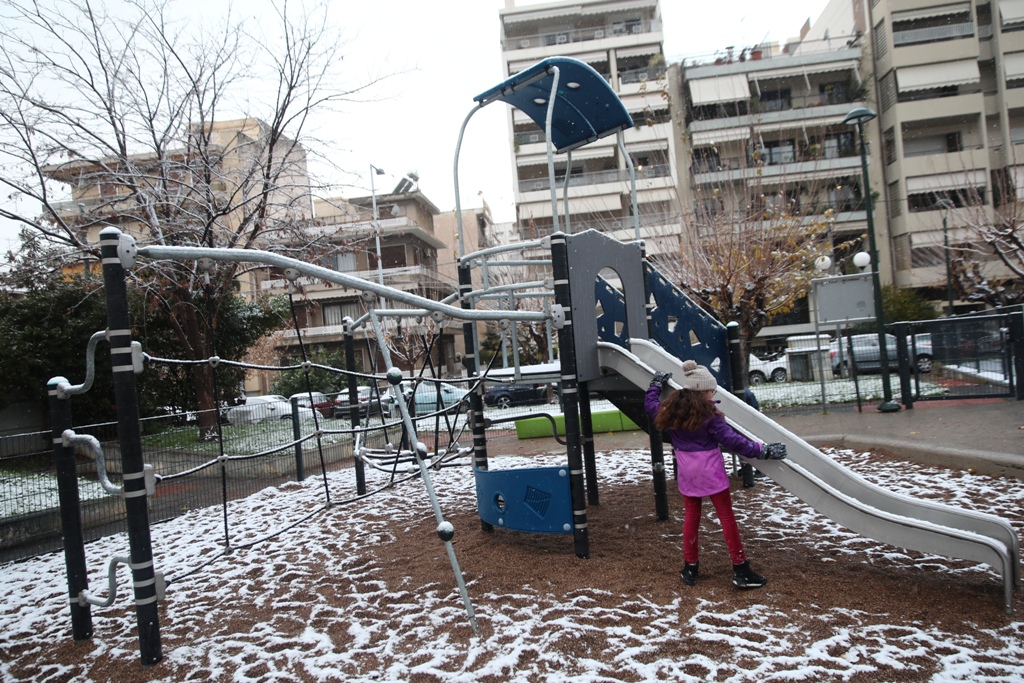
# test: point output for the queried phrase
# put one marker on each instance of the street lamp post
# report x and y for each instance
(858, 117)
(376, 227)
(946, 205)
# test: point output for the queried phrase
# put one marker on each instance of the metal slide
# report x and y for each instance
(839, 493)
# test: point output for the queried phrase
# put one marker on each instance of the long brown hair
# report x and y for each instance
(685, 410)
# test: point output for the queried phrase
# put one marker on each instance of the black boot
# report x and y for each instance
(745, 577)
(689, 573)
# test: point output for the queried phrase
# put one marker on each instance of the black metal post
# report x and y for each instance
(887, 405)
(1015, 323)
(903, 363)
(469, 360)
(654, 434)
(353, 402)
(119, 333)
(300, 470)
(570, 394)
(739, 388)
(70, 511)
(589, 459)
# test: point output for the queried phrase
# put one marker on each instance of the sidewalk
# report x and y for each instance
(984, 434)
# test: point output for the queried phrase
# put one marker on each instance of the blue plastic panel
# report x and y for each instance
(586, 107)
(676, 321)
(534, 499)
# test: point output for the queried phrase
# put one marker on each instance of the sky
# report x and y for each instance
(441, 59)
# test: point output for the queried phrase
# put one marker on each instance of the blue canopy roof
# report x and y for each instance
(586, 107)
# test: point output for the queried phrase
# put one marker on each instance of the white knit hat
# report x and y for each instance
(697, 377)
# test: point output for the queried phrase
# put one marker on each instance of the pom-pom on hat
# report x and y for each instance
(697, 377)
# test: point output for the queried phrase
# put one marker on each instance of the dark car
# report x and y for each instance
(508, 395)
(369, 403)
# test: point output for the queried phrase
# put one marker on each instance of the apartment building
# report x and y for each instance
(622, 41)
(204, 192)
(950, 84)
(404, 255)
(767, 144)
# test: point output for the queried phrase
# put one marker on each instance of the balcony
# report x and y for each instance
(406, 278)
(934, 34)
(598, 178)
(580, 35)
(733, 169)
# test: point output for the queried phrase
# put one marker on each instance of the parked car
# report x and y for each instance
(369, 403)
(866, 357)
(508, 395)
(323, 405)
(270, 407)
(425, 398)
(773, 368)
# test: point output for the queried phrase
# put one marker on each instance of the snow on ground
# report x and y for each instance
(260, 614)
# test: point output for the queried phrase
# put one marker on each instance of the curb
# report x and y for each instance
(982, 462)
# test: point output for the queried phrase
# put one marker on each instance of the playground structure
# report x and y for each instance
(644, 325)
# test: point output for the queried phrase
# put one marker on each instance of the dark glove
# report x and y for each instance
(773, 451)
(660, 379)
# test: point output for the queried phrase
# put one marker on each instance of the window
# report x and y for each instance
(895, 202)
(776, 100)
(881, 46)
(705, 160)
(778, 152)
(839, 145)
(834, 93)
(889, 145)
(887, 96)
(335, 314)
(953, 142)
(344, 263)
(960, 197)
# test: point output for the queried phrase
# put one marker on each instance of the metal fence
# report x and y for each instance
(191, 475)
(948, 358)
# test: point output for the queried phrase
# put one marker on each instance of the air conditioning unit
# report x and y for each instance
(637, 28)
(618, 28)
(616, 225)
(524, 43)
(534, 137)
(562, 38)
(599, 34)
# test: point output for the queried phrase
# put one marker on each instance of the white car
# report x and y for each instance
(270, 407)
(773, 369)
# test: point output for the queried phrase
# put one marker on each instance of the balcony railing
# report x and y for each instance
(940, 148)
(580, 35)
(640, 75)
(600, 177)
(393, 277)
(933, 34)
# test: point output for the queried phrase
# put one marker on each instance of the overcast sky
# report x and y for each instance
(448, 52)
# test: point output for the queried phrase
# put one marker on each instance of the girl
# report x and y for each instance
(698, 432)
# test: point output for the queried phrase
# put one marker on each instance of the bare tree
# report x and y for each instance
(749, 258)
(988, 267)
(130, 109)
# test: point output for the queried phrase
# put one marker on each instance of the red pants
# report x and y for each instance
(691, 525)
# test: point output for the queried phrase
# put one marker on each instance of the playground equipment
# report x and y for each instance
(645, 325)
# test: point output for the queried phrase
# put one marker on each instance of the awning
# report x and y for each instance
(597, 57)
(928, 76)
(655, 146)
(645, 51)
(929, 12)
(714, 137)
(796, 71)
(1011, 11)
(946, 181)
(595, 151)
(596, 204)
(721, 89)
(512, 18)
(1013, 66)
(600, 8)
